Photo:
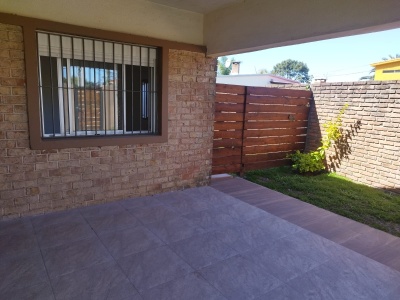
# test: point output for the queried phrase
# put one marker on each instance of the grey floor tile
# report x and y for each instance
(22, 271)
(17, 243)
(171, 197)
(112, 221)
(140, 202)
(129, 241)
(212, 219)
(176, 229)
(211, 196)
(102, 281)
(101, 209)
(183, 203)
(191, 286)
(274, 226)
(394, 295)
(63, 233)
(41, 291)
(238, 278)
(202, 250)
(56, 218)
(74, 256)
(321, 283)
(311, 245)
(243, 237)
(18, 226)
(244, 211)
(153, 267)
(366, 273)
(324, 282)
(282, 292)
(281, 260)
(155, 213)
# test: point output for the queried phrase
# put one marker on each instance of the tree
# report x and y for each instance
(293, 69)
(368, 77)
(262, 71)
(223, 69)
(391, 57)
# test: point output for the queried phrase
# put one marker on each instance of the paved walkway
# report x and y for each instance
(373, 243)
(199, 243)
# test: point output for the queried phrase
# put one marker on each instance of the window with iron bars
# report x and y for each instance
(92, 87)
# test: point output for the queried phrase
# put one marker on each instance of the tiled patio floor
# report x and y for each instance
(199, 243)
(373, 243)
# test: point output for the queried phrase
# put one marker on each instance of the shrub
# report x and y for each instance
(307, 162)
(315, 161)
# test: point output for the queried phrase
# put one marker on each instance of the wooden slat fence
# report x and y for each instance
(255, 127)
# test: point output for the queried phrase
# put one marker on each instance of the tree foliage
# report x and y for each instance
(262, 71)
(222, 68)
(293, 69)
(391, 57)
(368, 77)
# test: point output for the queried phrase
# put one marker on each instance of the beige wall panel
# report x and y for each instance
(128, 16)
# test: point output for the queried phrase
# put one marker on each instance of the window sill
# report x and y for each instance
(95, 141)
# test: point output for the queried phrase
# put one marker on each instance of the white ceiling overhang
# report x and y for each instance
(223, 26)
(234, 26)
(199, 6)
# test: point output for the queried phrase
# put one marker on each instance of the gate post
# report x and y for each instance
(241, 173)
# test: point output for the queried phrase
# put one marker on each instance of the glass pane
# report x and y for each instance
(66, 92)
(49, 94)
(97, 99)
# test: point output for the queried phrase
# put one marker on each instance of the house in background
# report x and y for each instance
(104, 100)
(387, 69)
(261, 80)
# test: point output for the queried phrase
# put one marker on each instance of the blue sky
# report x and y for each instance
(341, 59)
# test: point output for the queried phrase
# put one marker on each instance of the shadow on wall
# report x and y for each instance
(314, 134)
(342, 147)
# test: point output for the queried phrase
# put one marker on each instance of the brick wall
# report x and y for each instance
(369, 149)
(35, 181)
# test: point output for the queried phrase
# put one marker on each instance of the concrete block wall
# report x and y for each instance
(369, 149)
(38, 181)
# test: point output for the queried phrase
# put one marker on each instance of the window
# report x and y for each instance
(391, 71)
(93, 87)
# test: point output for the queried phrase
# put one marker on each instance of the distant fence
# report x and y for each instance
(257, 127)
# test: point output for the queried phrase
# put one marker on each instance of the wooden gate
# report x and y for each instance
(256, 127)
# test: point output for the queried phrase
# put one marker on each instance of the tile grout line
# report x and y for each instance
(44, 264)
(113, 258)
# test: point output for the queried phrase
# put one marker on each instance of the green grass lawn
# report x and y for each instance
(337, 194)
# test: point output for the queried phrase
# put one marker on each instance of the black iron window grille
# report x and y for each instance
(91, 87)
